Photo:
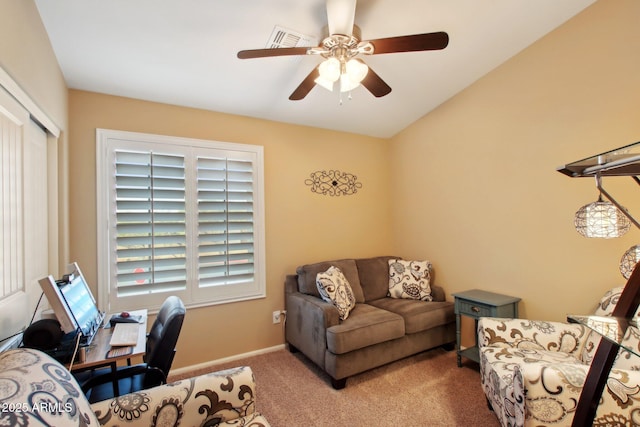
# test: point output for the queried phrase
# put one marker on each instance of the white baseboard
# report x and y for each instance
(210, 363)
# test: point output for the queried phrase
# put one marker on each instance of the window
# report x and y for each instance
(180, 217)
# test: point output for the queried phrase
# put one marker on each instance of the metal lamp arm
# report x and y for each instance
(614, 201)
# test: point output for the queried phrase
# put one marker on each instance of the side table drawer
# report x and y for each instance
(474, 309)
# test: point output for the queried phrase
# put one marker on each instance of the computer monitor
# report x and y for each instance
(72, 302)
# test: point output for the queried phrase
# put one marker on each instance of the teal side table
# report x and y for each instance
(476, 304)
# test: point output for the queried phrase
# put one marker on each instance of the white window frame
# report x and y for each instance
(107, 142)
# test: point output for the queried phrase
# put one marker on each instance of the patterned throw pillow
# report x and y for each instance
(335, 289)
(410, 279)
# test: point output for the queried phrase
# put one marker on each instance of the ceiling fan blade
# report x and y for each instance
(374, 84)
(340, 16)
(305, 87)
(413, 43)
(264, 53)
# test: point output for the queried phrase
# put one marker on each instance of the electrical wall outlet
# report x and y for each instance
(276, 317)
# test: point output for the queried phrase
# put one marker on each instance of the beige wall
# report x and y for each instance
(477, 191)
(301, 226)
(27, 57)
(474, 182)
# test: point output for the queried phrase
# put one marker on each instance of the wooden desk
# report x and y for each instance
(96, 352)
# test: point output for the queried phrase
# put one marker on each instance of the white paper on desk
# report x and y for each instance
(125, 334)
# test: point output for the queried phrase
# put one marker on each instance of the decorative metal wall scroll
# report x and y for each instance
(333, 183)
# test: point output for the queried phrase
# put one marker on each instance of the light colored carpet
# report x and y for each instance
(423, 390)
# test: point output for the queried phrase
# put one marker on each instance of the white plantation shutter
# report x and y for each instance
(184, 217)
(225, 221)
(150, 222)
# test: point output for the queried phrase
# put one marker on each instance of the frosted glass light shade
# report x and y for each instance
(350, 75)
(329, 69)
(629, 260)
(325, 83)
(346, 84)
(601, 220)
(355, 71)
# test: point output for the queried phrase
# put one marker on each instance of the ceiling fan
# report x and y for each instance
(341, 50)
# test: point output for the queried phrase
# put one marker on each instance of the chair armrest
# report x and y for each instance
(308, 318)
(157, 377)
(218, 396)
(531, 334)
(560, 385)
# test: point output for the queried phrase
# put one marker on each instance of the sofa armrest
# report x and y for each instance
(308, 318)
(531, 334)
(291, 283)
(560, 385)
(218, 396)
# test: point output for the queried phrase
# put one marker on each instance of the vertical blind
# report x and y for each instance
(178, 216)
(28, 206)
(11, 207)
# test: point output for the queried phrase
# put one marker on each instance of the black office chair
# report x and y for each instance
(160, 350)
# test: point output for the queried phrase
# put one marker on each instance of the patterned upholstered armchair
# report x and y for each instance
(532, 372)
(37, 390)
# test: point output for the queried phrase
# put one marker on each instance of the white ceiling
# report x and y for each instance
(183, 52)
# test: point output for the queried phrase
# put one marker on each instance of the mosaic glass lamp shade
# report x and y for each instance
(601, 219)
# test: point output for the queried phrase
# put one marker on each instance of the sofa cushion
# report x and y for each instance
(410, 279)
(334, 288)
(366, 325)
(374, 276)
(307, 276)
(418, 315)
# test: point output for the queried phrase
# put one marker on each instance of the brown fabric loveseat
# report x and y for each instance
(378, 330)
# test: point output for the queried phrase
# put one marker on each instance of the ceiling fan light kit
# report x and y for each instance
(341, 48)
(350, 73)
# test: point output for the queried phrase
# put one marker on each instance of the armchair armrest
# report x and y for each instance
(551, 392)
(531, 334)
(203, 400)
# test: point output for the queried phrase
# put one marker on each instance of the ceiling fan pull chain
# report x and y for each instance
(349, 97)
